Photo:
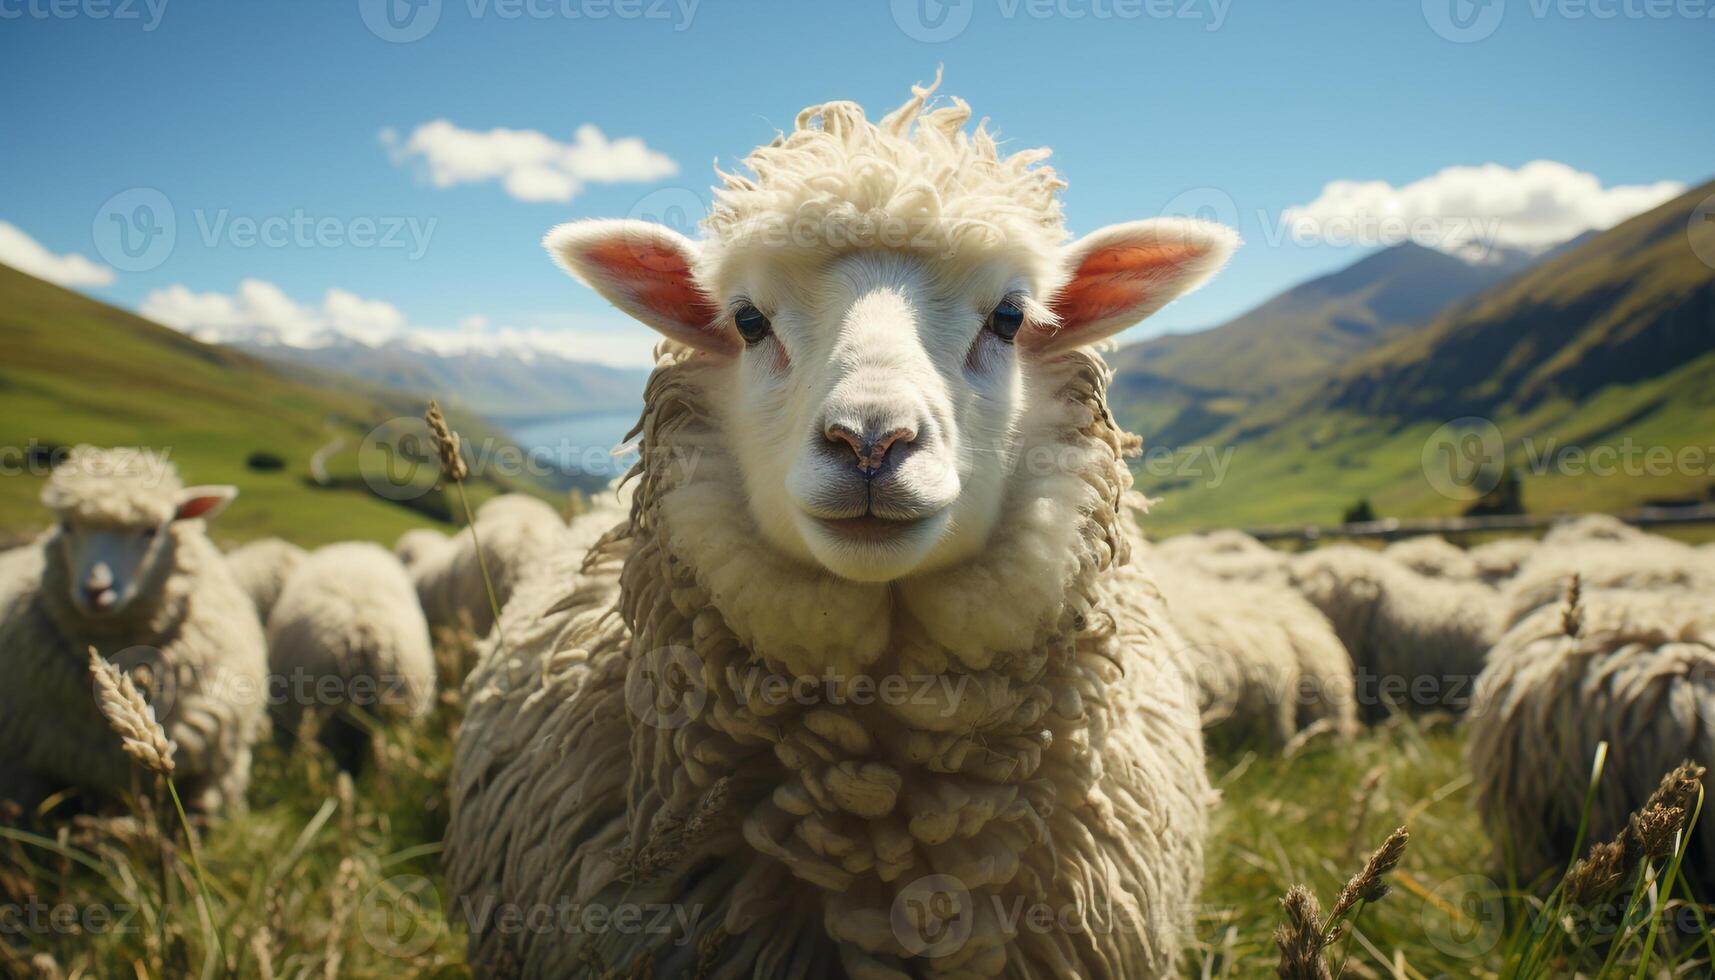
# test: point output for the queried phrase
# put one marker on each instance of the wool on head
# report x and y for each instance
(119, 487)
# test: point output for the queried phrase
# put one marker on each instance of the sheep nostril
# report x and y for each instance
(880, 448)
(838, 435)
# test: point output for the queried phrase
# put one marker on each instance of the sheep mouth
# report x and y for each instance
(870, 529)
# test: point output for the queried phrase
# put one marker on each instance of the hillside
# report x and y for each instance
(1609, 343)
(77, 370)
(1179, 388)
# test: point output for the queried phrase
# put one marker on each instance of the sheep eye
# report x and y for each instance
(1005, 321)
(149, 532)
(752, 325)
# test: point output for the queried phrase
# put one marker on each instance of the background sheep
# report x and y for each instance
(1499, 560)
(1637, 561)
(1226, 554)
(1639, 674)
(419, 544)
(1433, 556)
(261, 568)
(129, 570)
(1415, 642)
(1590, 527)
(515, 530)
(615, 747)
(347, 634)
(1266, 664)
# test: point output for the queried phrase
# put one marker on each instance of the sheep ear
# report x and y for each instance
(203, 502)
(645, 270)
(1123, 273)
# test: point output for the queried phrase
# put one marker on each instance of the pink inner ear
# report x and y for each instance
(1118, 278)
(197, 507)
(657, 276)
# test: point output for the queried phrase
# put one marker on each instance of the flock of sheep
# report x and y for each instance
(780, 686)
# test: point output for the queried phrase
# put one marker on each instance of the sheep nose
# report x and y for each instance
(873, 447)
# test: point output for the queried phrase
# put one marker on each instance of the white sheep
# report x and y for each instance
(1637, 561)
(1416, 643)
(515, 530)
(1265, 662)
(262, 568)
(1435, 557)
(348, 635)
(1498, 561)
(1226, 554)
(843, 690)
(1639, 674)
(130, 571)
(1590, 527)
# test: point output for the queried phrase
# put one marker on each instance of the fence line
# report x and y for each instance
(1395, 527)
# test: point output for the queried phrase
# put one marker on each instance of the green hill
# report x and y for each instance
(79, 371)
(1608, 345)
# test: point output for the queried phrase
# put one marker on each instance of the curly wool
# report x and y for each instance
(1499, 560)
(516, 531)
(348, 631)
(1265, 663)
(1052, 757)
(1639, 675)
(262, 568)
(1415, 642)
(119, 487)
(1434, 557)
(1641, 562)
(197, 634)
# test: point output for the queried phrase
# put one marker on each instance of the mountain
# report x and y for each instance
(505, 385)
(77, 370)
(1177, 389)
(1606, 343)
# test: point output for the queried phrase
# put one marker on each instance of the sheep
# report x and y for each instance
(1499, 560)
(1636, 671)
(1415, 642)
(418, 544)
(348, 634)
(1434, 557)
(1590, 527)
(1226, 554)
(128, 570)
(844, 702)
(262, 568)
(514, 530)
(1639, 561)
(1266, 663)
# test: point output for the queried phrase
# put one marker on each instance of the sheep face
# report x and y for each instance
(111, 564)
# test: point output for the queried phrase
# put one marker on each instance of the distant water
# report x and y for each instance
(581, 444)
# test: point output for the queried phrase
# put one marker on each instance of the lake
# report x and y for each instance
(581, 445)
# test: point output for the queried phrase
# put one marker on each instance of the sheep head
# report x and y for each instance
(116, 510)
(877, 304)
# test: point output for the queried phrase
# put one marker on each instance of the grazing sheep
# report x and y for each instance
(1266, 664)
(1416, 642)
(515, 531)
(1642, 562)
(1226, 554)
(1433, 556)
(347, 633)
(843, 691)
(1499, 560)
(130, 571)
(1639, 674)
(1591, 527)
(262, 568)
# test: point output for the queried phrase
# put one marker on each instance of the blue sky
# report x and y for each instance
(1241, 108)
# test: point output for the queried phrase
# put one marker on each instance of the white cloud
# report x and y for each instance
(1467, 209)
(530, 165)
(25, 254)
(260, 312)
